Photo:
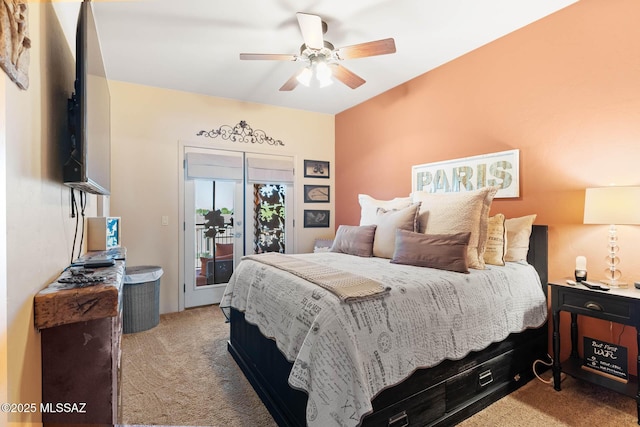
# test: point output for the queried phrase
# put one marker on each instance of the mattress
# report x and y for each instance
(344, 354)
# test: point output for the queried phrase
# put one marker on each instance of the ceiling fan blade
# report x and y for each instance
(268, 56)
(292, 82)
(362, 50)
(347, 76)
(311, 29)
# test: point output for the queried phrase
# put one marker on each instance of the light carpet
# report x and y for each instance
(181, 374)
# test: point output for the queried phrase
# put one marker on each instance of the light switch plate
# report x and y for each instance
(165, 220)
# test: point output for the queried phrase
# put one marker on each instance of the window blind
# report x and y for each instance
(276, 171)
(214, 166)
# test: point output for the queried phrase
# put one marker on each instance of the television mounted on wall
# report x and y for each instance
(87, 155)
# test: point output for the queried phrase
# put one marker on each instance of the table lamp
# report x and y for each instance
(612, 205)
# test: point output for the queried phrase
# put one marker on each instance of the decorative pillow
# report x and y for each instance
(484, 220)
(369, 207)
(442, 251)
(496, 247)
(387, 223)
(354, 240)
(518, 233)
(450, 213)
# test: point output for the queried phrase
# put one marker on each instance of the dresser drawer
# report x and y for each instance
(493, 373)
(418, 410)
(595, 304)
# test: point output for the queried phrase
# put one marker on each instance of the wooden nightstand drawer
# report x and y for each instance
(595, 303)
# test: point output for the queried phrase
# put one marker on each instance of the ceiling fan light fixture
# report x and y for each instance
(317, 74)
(304, 77)
(323, 73)
(325, 82)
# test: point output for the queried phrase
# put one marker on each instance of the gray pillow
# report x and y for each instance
(354, 240)
(441, 251)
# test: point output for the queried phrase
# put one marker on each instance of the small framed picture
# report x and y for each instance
(316, 218)
(316, 169)
(316, 194)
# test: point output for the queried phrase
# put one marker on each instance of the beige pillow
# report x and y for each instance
(387, 222)
(354, 240)
(369, 207)
(442, 251)
(484, 220)
(496, 247)
(518, 233)
(450, 213)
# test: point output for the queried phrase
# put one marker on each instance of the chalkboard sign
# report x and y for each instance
(606, 359)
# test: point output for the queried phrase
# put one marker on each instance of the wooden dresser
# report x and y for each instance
(81, 331)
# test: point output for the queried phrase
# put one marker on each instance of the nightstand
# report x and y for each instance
(616, 305)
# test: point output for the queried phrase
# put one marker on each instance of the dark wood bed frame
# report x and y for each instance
(439, 396)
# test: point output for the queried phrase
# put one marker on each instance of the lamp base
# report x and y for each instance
(613, 283)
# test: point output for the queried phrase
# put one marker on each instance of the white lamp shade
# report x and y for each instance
(612, 205)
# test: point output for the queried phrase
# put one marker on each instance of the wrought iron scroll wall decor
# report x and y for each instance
(241, 132)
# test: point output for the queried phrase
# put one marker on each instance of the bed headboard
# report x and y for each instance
(538, 254)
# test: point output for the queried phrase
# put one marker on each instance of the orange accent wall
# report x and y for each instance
(564, 90)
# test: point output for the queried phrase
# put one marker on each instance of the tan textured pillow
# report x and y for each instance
(369, 207)
(442, 251)
(387, 223)
(496, 247)
(354, 240)
(450, 213)
(484, 219)
(518, 233)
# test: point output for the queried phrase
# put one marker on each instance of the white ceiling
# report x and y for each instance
(194, 45)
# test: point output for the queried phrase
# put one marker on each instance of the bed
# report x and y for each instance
(442, 394)
(384, 329)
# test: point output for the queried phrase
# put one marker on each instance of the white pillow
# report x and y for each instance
(369, 207)
(450, 213)
(518, 233)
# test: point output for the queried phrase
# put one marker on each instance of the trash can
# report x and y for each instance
(141, 299)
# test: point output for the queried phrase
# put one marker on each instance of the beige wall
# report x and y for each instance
(4, 386)
(39, 232)
(149, 124)
(564, 90)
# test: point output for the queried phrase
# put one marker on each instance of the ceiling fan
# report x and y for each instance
(321, 58)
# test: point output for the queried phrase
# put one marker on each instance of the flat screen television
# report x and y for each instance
(87, 156)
